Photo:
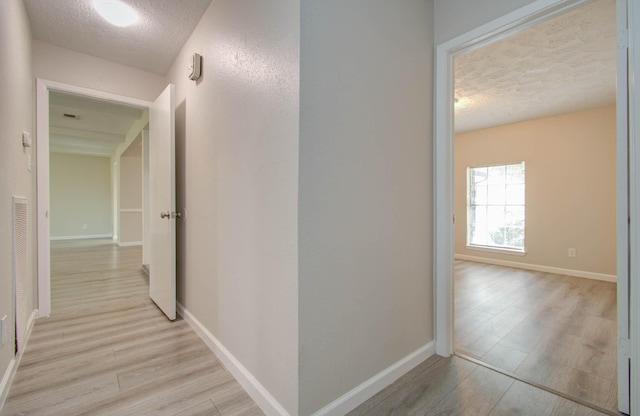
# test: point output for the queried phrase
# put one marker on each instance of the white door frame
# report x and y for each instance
(443, 167)
(634, 200)
(42, 178)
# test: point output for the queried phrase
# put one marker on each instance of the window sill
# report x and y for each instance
(497, 250)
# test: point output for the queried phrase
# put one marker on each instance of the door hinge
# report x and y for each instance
(624, 347)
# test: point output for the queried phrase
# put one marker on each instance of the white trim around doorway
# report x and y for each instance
(634, 201)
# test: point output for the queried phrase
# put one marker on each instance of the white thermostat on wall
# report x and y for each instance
(195, 67)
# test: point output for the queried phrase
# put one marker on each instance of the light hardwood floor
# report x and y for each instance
(108, 350)
(457, 387)
(490, 305)
(557, 331)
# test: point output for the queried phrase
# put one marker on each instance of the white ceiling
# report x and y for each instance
(564, 64)
(152, 44)
(99, 128)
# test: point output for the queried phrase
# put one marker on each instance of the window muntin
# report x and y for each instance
(495, 206)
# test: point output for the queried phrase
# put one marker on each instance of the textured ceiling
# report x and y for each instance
(152, 44)
(564, 64)
(99, 128)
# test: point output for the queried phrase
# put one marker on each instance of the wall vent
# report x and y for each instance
(19, 218)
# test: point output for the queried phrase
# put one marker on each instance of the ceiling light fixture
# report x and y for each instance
(461, 102)
(116, 12)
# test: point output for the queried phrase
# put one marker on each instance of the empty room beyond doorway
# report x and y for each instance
(535, 269)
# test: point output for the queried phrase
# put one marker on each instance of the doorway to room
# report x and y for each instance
(535, 264)
(499, 308)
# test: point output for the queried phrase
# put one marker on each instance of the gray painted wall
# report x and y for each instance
(16, 115)
(54, 63)
(365, 191)
(456, 17)
(237, 179)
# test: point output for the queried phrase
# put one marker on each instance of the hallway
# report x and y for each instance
(107, 349)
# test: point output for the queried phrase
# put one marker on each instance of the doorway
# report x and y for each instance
(44, 88)
(444, 247)
(535, 244)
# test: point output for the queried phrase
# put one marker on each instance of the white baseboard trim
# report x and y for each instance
(5, 383)
(81, 237)
(258, 393)
(9, 374)
(130, 244)
(338, 407)
(30, 322)
(538, 268)
(386, 377)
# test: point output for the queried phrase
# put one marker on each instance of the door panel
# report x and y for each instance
(162, 276)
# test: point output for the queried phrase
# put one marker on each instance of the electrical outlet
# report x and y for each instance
(85, 226)
(572, 252)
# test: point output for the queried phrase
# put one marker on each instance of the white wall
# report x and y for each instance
(79, 193)
(16, 115)
(455, 17)
(131, 181)
(146, 216)
(54, 63)
(237, 180)
(130, 201)
(365, 205)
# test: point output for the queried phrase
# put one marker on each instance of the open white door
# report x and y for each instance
(162, 179)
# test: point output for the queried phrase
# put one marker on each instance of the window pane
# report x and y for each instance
(478, 176)
(477, 225)
(480, 195)
(514, 216)
(495, 214)
(496, 175)
(515, 173)
(495, 218)
(514, 234)
(515, 195)
(496, 195)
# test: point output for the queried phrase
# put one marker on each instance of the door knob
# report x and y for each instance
(165, 215)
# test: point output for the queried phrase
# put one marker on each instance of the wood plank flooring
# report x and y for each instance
(526, 323)
(108, 350)
(556, 331)
(454, 386)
